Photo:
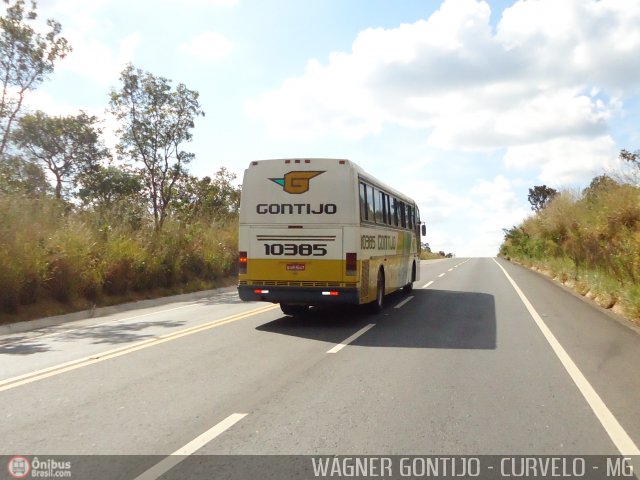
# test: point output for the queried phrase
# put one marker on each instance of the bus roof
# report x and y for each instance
(359, 170)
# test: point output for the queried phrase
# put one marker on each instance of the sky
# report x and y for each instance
(462, 104)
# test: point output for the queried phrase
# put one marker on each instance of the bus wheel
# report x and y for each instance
(293, 310)
(376, 305)
(408, 288)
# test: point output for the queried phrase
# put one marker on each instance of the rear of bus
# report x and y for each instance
(297, 241)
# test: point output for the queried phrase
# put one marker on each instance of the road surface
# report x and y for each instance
(482, 358)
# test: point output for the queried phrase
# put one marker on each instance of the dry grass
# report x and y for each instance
(53, 261)
(589, 240)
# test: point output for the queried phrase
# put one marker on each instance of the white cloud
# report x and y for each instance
(207, 45)
(471, 225)
(88, 30)
(550, 72)
(565, 160)
(97, 60)
(496, 207)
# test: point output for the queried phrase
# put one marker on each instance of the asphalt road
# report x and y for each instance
(465, 366)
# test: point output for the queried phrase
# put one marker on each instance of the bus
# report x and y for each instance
(318, 231)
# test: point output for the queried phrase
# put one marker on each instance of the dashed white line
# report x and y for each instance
(426, 285)
(402, 303)
(616, 432)
(441, 275)
(346, 342)
(450, 270)
(197, 443)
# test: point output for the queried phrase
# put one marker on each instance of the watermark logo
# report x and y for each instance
(21, 467)
(18, 467)
(296, 182)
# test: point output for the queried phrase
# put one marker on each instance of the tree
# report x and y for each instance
(540, 196)
(211, 198)
(22, 176)
(26, 58)
(113, 195)
(631, 157)
(67, 146)
(598, 184)
(104, 186)
(155, 122)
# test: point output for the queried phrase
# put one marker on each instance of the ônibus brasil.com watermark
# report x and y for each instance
(22, 467)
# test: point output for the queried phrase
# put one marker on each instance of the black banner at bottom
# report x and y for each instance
(483, 467)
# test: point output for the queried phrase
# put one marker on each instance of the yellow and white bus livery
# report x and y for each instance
(322, 231)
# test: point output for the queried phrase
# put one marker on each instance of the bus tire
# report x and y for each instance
(293, 310)
(408, 288)
(378, 303)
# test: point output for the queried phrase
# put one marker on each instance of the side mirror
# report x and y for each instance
(423, 230)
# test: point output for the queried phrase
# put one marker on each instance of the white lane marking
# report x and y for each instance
(402, 303)
(197, 443)
(450, 270)
(441, 275)
(618, 435)
(346, 342)
(426, 285)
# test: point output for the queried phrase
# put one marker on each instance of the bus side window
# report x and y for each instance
(370, 212)
(387, 203)
(379, 206)
(385, 207)
(403, 218)
(394, 206)
(363, 202)
(410, 216)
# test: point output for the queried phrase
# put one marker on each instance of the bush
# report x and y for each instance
(591, 238)
(49, 251)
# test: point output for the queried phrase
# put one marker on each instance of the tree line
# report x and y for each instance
(79, 222)
(589, 239)
(148, 172)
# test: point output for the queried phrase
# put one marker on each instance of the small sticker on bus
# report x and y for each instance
(296, 267)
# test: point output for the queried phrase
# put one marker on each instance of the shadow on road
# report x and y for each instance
(25, 348)
(432, 319)
(114, 334)
(222, 298)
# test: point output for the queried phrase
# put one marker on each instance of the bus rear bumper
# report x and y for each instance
(299, 295)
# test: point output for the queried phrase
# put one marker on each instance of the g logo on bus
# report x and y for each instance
(296, 182)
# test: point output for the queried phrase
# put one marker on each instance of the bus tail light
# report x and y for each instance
(331, 293)
(260, 291)
(352, 264)
(242, 262)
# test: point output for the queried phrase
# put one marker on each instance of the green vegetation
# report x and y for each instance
(589, 240)
(47, 253)
(77, 229)
(427, 254)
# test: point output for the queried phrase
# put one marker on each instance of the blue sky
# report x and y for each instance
(462, 104)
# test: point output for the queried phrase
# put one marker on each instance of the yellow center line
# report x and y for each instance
(117, 352)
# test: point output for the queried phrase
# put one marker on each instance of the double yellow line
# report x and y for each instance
(118, 352)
